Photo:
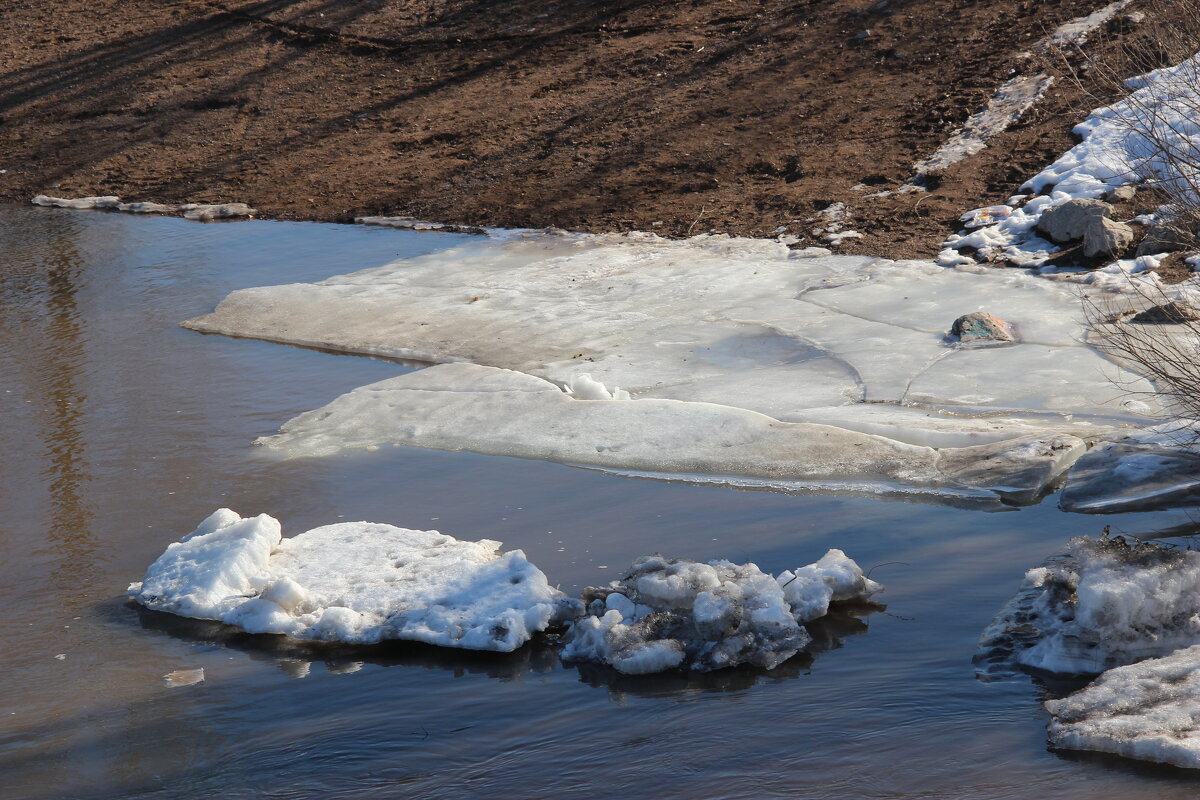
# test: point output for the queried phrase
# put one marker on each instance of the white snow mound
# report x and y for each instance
(1148, 711)
(354, 582)
(1106, 603)
(667, 613)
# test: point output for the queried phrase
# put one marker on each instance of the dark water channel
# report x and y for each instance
(120, 431)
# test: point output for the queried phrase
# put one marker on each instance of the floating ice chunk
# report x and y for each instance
(1104, 604)
(667, 613)
(184, 677)
(1148, 711)
(835, 578)
(355, 582)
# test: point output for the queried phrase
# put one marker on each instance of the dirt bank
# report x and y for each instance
(676, 116)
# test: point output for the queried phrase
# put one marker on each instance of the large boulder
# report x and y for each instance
(1070, 221)
(1106, 238)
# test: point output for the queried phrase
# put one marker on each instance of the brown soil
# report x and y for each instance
(678, 116)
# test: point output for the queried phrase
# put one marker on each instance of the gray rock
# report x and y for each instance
(1104, 237)
(1121, 194)
(1162, 239)
(1171, 313)
(981, 326)
(1070, 221)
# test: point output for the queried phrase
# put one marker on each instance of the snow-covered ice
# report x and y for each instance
(667, 613)
(355, 582)
(1104, 603)
(1148, 711)
(723, 326)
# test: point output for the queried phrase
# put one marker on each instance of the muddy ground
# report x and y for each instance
(678, 116)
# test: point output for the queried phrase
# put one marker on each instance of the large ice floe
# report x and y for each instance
(355, 582)
(1104, 603)
(667, 613)
(740, 357)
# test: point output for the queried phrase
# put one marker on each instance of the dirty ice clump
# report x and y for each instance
(668, 613)
(354, 582)
(1105, 603)
(203, 212)
(1148, 711)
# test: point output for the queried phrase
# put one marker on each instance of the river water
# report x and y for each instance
(121, 431)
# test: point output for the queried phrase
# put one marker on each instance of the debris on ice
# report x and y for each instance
(355, 582)
(667, 613)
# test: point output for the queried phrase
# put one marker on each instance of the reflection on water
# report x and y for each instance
(41, 331)
(122, 431)
(296, 658)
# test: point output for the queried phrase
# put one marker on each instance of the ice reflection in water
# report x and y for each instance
(120, 430)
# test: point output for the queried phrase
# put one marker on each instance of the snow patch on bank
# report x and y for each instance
(669, 613)
(1115, 150)
(354, 582)
(1005, 109)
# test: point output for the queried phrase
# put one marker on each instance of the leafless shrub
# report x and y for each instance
(1155, 332)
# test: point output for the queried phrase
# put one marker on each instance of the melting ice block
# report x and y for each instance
(501, 412)
(355, 582)
(667, 613)
(1148, 711)
(1104, 604)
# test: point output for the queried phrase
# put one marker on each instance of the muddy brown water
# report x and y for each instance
(121, 431)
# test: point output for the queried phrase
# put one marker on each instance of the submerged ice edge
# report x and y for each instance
(507, 413)
(363, 583)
